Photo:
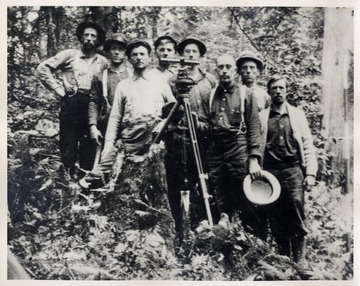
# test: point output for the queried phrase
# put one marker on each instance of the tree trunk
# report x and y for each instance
(51, 47)
(337, 64)
(154, 21)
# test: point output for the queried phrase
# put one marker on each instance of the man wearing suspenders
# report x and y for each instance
(78, 68)
(235, 144)
(104, 85)
(136, 111)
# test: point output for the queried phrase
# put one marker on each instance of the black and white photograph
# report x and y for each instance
(180, 142)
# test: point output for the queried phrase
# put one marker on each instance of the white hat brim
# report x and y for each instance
(254, 197)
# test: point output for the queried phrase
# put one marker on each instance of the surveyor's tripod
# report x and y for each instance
(183, 86)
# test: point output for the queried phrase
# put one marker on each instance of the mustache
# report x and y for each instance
(89, 45)
(225, 77)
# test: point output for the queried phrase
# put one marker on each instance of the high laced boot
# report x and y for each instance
(298, 249)
(284, 247)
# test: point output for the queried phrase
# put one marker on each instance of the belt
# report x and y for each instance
(83, 91)
(225, 138)
(77, 91)
(280, 165)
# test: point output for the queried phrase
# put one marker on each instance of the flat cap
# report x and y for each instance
(137, 43)
(166, 37)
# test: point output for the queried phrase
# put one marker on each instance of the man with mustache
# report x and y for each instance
(104, 85)
(250, 67)
(235, 145)
(78, 68)
(135, 113)
(289, 154)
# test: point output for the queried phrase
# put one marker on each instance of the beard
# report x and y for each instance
(88, 46)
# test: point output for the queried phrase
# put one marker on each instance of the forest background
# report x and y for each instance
(293, 41)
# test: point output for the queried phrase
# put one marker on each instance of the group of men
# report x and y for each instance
(241, 128)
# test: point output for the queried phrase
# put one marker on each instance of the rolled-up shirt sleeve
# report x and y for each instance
(46, 68)
(168, 94)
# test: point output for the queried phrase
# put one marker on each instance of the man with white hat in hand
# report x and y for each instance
(288, 154)
(235, 146)
(249, 67)
(78, 68)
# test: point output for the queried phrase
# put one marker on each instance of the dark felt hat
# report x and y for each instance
(137, 43)
(115, 38)
(166, 37)
(101, 34)
(192, 40)
(249, 55)
(263, 191)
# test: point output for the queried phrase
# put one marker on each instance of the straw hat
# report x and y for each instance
(263, 191)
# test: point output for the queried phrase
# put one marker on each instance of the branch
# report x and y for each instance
(242, 30)
(251, 41)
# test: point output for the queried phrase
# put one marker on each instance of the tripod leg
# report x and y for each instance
(199, 166)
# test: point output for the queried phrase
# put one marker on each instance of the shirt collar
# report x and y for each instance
(272, 111)
(121, 68)
(228, 89)
(145, 75)
(83, 56)
(200, 76)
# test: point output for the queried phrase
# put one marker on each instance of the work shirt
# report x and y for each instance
(226, 116)
(200, 96)
(77, 70)
(98, 104)
(262, 98)
(200, 93)
(281, 147)
(163, 74)
(136, 108)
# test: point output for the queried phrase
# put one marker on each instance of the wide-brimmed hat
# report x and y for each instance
(166, 37)
(115, 38)
(192, 40)
(250, 55)
(136, 43)
(263, 191)
(101, 34)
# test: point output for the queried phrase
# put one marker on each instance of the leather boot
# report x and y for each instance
(284, 247)
(298, 245)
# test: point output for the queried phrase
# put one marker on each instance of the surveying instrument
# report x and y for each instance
(183, 85)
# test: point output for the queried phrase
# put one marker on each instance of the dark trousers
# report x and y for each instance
(228, 162)
(182, 175)
(75, 142)
(287, 213)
